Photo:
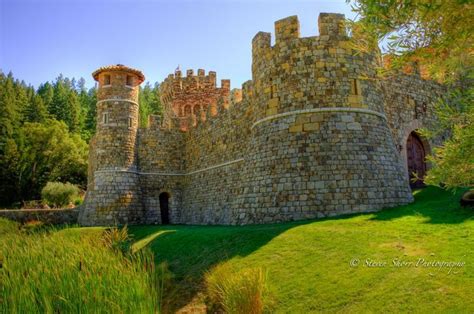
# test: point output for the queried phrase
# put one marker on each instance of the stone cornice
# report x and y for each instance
(318, 110)
(113, 99)
(171, 173)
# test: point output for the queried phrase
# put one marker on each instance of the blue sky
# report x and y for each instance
(39, 39)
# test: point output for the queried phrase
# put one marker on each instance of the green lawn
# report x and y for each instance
(308, 263)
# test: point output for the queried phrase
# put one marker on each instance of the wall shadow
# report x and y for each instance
(190, 251)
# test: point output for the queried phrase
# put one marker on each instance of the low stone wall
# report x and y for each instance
(49, 216)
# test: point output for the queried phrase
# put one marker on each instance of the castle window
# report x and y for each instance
(105, 118)
(129, 80)
(130, 122)
(355, 88)
(106, 79)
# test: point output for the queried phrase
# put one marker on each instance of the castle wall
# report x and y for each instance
(321, 144)
(410, 106)
(161, 169)
(315, 133)
(200, 168)
(215, 155)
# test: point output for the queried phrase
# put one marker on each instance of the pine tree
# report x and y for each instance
(36, 110)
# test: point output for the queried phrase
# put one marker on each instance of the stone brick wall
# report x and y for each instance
(410, 106)
(315, 133)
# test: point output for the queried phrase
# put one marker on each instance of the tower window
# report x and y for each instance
(130, 122)
(105, 118)
(355, 87)
(129, 80)
(106, 79)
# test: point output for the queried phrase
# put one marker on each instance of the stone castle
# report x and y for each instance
(315, 133)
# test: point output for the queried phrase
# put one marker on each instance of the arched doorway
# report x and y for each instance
(416, 162)
(164, 208)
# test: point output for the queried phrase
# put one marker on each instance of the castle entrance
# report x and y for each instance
(416, 155)
(164, 208)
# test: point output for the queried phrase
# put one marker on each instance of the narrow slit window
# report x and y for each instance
(106, 79)
(354, 87)
(271, 88)
(130, 122)
(105, 118)
(129, 80)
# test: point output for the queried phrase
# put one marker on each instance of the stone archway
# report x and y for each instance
(413, 126)
(416, 160)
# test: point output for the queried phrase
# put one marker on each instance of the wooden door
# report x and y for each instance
(416, 160)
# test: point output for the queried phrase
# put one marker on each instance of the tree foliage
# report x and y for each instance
(438, 36)
(149, 99)
(453, 162)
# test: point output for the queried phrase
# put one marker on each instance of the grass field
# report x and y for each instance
(308, 264)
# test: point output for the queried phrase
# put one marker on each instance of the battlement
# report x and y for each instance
(287, 28)
(176, 83)
(186, 97)
(307, 72)
(330, 25)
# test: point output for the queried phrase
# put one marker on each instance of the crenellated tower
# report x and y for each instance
(188, 98)
(320, 140)
(113, 194)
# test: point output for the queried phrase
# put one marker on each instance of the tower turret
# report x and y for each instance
(320, 142)
(117, 116)
(113, 194)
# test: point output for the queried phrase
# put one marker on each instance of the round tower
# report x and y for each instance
(113, 194)
(117, 116)
(321, 144)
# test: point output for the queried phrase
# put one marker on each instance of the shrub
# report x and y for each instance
(59, 194)
(237, 292)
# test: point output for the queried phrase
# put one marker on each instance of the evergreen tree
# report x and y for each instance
(9, 118)
(46, 92)
(36, 110)
(149, 99)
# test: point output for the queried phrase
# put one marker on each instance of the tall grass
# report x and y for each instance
(237, 292)
(71, 270)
